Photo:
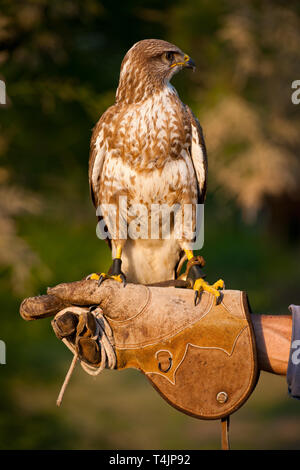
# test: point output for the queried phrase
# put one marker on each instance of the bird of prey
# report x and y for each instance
(148, 151)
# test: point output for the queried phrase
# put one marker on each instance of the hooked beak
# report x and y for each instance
(187, 63)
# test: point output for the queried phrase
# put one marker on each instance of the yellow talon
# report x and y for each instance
(116, 278)
(220, 284)
(200, 285)
(115, 269)
(94, 276)
(103, 276)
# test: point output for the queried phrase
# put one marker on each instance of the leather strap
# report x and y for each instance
(225, 432)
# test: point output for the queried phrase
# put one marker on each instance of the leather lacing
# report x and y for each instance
(104, 337)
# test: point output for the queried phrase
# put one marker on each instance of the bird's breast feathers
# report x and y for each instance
(149, 133)
(146, 148)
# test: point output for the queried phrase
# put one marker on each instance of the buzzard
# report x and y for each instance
(147, 152)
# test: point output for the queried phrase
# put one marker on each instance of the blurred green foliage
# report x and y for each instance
(60, 62)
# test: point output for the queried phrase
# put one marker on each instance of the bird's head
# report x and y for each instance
(149, 65)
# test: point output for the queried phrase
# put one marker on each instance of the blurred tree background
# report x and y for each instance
(60, 61)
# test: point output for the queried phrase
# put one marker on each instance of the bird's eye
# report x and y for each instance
(170, 56)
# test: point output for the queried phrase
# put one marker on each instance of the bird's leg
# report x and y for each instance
(114, 272)
(195, 274)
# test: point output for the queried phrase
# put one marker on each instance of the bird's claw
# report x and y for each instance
(101, 277)
(94, 276)
(123, 279)
(220, 284)
(197, 294)
(200, 285)
(117, 277)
